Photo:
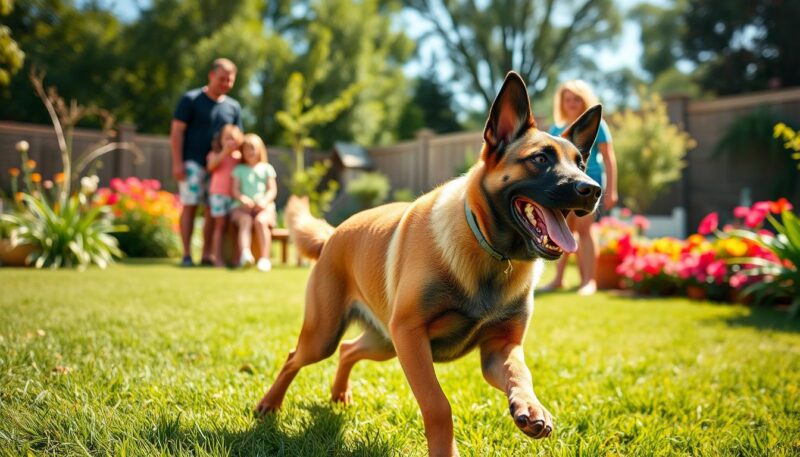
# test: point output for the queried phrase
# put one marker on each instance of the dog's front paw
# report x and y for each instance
(265, 406)
(531, 417)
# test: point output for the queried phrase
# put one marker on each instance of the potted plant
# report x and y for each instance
(616, 239)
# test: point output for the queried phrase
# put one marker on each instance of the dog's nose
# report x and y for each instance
(588, 189)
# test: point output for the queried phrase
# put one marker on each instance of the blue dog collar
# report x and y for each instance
(473, 225)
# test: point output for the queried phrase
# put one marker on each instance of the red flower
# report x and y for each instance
(780, 206)
(708, 224)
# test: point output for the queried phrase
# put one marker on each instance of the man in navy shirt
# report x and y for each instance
(200, 114)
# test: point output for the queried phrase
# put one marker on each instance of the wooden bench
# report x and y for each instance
(280, 235)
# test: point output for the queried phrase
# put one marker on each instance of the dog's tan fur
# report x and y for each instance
(425, 290)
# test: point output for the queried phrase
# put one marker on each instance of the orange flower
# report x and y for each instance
(31, 164)
(13, 171)
(36, 177)
(59, 178)
(18, 197)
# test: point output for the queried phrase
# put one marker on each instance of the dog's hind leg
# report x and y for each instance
(369, 346)
(324, 323)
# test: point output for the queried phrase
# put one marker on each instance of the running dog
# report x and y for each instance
(454, 270)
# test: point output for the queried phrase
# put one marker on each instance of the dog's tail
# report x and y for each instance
(308, 233)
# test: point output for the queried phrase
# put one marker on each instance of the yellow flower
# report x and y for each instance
(31, 164)
(13, 171)
(36, 177)
(59, 178)
(734, 247)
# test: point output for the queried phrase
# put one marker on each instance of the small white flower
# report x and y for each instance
(23, 146)
(89, 184)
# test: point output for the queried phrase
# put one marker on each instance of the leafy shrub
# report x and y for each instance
(649, 151)
(403, 195)
(307, 182)
(369, 190)
(75, 234)
(778, 274)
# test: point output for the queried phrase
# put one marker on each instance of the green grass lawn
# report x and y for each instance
(149, 359)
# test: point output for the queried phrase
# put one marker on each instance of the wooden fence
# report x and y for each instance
(710, 182)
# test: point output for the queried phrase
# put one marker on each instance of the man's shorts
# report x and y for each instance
(220, 205)
(192, 189)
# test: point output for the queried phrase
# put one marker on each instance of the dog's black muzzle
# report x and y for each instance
(587, 194)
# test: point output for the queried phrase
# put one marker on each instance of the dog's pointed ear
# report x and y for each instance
(583, 131)
(510, 115)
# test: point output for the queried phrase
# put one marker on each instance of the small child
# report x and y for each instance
(221, 163)
(254, 192)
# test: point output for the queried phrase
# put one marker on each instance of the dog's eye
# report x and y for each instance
(540, 158)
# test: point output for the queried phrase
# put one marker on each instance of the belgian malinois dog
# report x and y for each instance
(454, 270)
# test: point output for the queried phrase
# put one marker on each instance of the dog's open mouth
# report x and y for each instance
(547, 228)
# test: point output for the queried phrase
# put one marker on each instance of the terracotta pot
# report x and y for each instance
(696, 292)
(606, 274)
(736, 296)
(14, 257)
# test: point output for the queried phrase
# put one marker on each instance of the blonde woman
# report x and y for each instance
(571, 100)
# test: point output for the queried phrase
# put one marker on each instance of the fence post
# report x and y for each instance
(678, 113)
(424, 137)
(123, 164)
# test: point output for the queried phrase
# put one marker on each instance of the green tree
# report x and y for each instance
(431, 107)
(11, 56)
(76, 46)
(299, 118)
(752, 43)
(335, 44)
(169, 50)
(649, 151)
(485, 40)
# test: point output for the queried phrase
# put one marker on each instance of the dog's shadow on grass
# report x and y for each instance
(321, 434)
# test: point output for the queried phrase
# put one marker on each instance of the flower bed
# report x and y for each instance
(741, 261)
(150, 214)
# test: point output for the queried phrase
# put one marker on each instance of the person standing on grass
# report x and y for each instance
(254, 192)
(571, 100)
(221, 162)
(200, 114)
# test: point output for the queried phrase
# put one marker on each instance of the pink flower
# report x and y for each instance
(762, 206)
(708, 224)
(755, 218)
(641, 223)
(737, 280)
(741, 212)
(717, 270)
(118, 185)
(625, 212)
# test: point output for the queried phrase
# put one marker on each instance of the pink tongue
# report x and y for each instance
(558, 231)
